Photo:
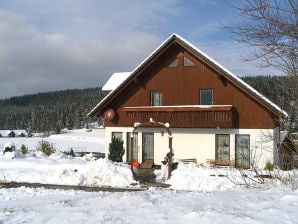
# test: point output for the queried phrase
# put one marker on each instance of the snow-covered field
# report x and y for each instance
(78, 140)
(197, 194)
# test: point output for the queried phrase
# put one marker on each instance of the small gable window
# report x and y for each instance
(206, 96)
(174, 63)
(156, 98)
(187, 62)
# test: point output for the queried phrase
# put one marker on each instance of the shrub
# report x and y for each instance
(70, 153)
(24, 149)
(116, 150)
(269, 166)
(9, 147)
(45, 147)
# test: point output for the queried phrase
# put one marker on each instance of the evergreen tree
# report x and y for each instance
(116, 150)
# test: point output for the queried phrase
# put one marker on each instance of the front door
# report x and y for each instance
(148, 146)
(242, 151)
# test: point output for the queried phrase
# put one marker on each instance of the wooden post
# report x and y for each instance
(131, 152)
(170, 157)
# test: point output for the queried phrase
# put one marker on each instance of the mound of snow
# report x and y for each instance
(191, 177)
(58, 169)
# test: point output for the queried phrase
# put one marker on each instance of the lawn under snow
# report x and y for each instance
(38, 205)
(81, 140)
(197, 194)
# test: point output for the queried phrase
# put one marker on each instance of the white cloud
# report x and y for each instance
(62, 44)
(32, 60)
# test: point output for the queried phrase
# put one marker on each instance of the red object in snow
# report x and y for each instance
(135, 164)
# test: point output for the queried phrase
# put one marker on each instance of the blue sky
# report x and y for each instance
(48, 45)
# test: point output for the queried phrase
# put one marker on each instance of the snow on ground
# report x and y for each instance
(29, 205)
(78, 140)
(191, 177)
(63, 170)
(197, 194)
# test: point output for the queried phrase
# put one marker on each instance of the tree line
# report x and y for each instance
(50, 111)
(280, 90)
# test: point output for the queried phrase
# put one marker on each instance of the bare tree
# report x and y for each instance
(270, 27)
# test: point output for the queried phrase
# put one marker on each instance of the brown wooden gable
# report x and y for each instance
(181, 85)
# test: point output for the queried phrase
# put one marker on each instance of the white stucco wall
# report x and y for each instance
(200, 143)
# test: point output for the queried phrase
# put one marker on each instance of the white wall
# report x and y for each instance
(200, 143)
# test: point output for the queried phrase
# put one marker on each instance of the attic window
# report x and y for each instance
(187, 62)
(174, 63)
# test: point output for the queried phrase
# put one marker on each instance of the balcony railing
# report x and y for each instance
(189, 116)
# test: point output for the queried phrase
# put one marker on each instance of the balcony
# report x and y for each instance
(188, 116)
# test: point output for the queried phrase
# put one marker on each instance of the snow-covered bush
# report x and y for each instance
(9, 147)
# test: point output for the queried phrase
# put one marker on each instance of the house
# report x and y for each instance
(13, 133)
(180, 93)
(288, 151)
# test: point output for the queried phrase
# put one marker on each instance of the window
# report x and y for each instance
(135, 146)
(117, 135)
(242, 151)
(156, 98)
(148, 146)
(206, 97)
(222, 147)
(174, 63)
(187, 62)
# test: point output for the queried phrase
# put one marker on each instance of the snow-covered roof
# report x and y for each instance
(206, 57)
(283, 135)
(5, 133)
(115, 80)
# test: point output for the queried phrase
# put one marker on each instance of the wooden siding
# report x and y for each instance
(181, 86)
(183, 117)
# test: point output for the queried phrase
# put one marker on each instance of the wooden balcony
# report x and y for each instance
(189, 116)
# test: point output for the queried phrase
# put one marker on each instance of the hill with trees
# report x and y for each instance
(53, 111)
(49, 111)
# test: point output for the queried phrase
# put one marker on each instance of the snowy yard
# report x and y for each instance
(25, 205)
(197, 194)
(78, 140)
